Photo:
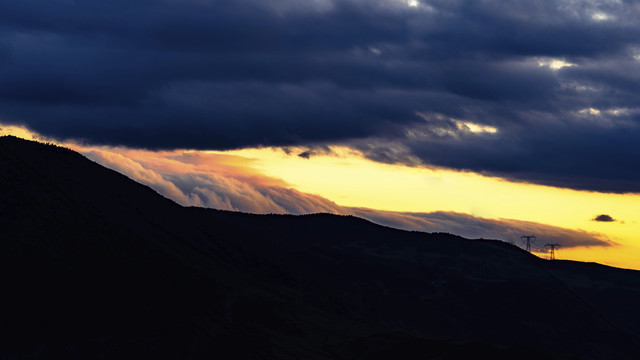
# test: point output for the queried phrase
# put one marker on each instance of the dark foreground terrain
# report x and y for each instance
(94, 265)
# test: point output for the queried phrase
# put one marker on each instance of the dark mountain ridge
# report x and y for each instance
(95, 265)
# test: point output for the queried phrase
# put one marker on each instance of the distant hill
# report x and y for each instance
(95, 265)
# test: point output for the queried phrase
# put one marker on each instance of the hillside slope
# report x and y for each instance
(94, 265)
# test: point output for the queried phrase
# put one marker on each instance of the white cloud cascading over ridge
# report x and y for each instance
(232, 189)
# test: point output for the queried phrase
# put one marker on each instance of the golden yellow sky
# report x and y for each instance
(347, 178)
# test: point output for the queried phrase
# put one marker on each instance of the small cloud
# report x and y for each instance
(305, 155)
(604, 218)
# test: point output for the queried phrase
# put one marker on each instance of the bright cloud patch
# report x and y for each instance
(554, 64)
(475, 128)
(601, 16)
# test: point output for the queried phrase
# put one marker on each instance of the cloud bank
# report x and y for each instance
(225, 182)
(557, 81)
(476, 227)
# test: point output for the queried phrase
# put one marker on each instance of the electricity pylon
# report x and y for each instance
(528, 240)
(552, 250)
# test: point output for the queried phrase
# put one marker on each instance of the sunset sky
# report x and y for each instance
(489, 119)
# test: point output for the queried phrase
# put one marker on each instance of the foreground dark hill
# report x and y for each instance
(94, 265)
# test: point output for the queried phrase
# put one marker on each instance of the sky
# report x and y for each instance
(490, 119)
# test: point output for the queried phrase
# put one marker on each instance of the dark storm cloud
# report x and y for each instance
(412, 84)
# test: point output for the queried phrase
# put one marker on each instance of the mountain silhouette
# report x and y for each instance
(95, 265)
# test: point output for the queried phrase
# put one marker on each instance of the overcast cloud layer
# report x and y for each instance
(544, 91)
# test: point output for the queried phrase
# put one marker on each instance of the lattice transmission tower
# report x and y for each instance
(528, 240)
(552, 250)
